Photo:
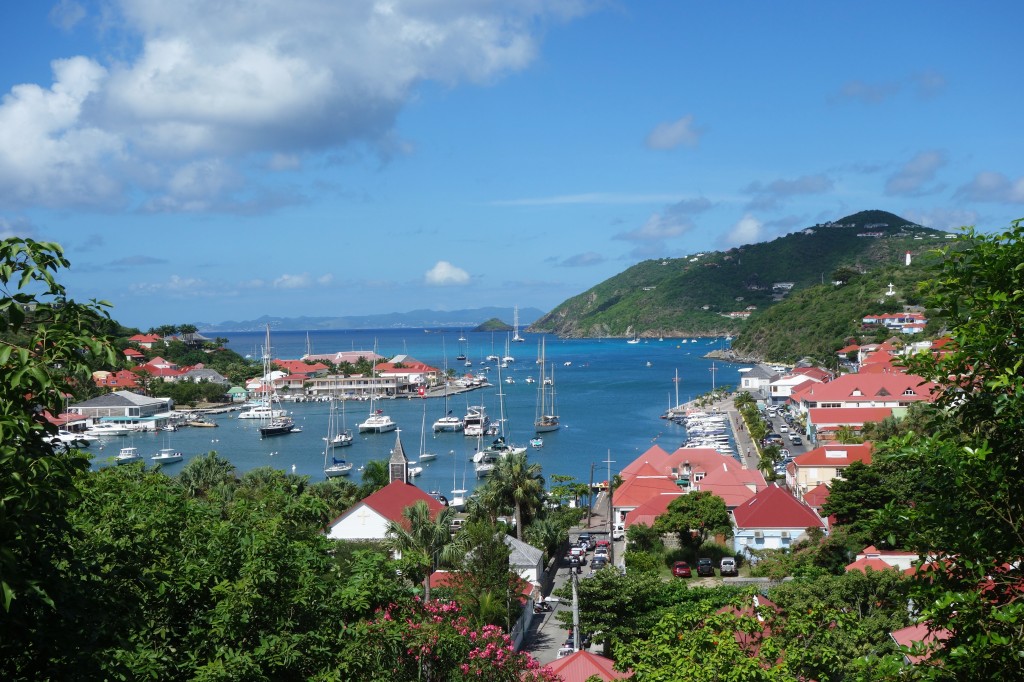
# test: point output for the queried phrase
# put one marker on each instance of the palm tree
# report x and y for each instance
(519, 484)
(205, 473)
(376, 475)
(427, 542)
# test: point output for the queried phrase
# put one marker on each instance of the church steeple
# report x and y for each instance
(398, 465)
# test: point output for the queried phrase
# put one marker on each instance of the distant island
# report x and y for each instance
(493, 325)
(467, 318)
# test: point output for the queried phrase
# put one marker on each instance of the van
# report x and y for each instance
(618, 531)
(728, 566)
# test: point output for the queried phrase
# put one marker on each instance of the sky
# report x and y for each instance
(206, 161)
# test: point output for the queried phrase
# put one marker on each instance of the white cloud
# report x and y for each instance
(675, 133)
(66, 14)
(747, 230)
(48, 155)
(446, 274)
(17, 227)
(913, 178)
(214, 85)
(675, 220)
(287, 281)
(992, 186)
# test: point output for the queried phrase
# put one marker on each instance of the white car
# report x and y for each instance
(783, 428)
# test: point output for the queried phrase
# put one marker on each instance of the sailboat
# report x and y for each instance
(333, 466)
(377, 422)
(424, 455)
(515, 326)
(280, 424)
(635, 339)
(500, 447)
(337, 438)
(546, 418)
(449, 422)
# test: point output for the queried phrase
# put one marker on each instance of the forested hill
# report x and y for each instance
(693, 295)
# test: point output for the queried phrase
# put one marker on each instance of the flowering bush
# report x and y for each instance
(435, 641)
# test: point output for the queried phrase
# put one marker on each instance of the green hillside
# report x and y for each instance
(690, 296)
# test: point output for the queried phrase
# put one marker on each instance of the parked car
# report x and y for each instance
(705, 567)
(619, 531)
(598, 563)
(728, 566)
(796, 440)
(601, 551)
(681, 569)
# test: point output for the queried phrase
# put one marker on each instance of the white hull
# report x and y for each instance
(378, 424)
(448, 424)
(166, 456)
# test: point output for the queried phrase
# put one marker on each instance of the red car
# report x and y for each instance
(681, 569)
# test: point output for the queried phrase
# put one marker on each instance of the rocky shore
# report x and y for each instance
(729, 355)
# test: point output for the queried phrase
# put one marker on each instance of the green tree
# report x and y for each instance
(205, 473)
(376, 475)
(972, 523)
(643, 538)
(517, 483)
(694, 518)
(424, 542)
(47, 342)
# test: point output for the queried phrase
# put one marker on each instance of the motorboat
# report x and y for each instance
(262, 412)
(70, 439)
(476, 422)
(537, 443)
(377, 422)
(166, 456)
(127, 455)
(108, 429)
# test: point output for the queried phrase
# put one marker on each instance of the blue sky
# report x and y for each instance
(203, 163)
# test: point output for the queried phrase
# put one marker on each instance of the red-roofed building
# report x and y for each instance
(823, 464)
(301, 367)
(134, 355)
(145, 340)
(865, 564)
(816, 497)
(349, 356)
(772, 519)
(637, 490)
(368, 518)
(734, 484)
(823, 423)
(650, 510)
(583, 665)
(891, 557)
(911, 635)
(122, 378)
(408, 370)
(865, 390)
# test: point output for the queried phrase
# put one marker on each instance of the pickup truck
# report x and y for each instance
(728, 566)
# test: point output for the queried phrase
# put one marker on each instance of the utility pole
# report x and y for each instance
(611, 513)
(590, 489)
(575, 613)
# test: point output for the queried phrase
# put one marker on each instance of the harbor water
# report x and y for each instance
(610, 396)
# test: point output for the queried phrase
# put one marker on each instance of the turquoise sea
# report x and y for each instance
(610, 397)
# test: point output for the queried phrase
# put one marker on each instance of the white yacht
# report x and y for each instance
(476, 422)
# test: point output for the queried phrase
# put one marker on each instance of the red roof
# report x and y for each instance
(817, 496)
(390, 500)
(838, 455)
(637, 490)
(654, 507)
(910, 635)
(442, 578)
(583, 665)
(774, 507)
(734, 485)
(868, 388)
(872, 563)
(701, 460)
